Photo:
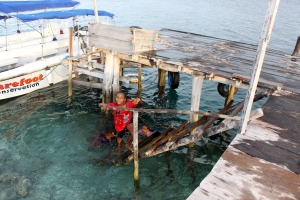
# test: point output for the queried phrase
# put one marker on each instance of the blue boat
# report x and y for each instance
(20, 6)
(30, 60)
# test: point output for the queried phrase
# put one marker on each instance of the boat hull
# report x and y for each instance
(30, 82)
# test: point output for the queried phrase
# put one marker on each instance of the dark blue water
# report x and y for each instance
(44, 139)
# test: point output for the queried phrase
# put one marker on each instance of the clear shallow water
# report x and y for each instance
(43, 138)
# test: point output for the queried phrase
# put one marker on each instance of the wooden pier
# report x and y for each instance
(259, 164)
(264, 163)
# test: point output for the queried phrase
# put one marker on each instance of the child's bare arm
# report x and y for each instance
(136, 100)
(104, 106)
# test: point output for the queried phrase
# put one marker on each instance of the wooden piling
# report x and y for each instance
(90, 66)
(70, 65)
(116, 75)
(108, 78)
(121, 71)
(139, 92)
(102, 57)
(231, 91)
(296, 50)
(161, 78)
(195, 99)
(135, 146)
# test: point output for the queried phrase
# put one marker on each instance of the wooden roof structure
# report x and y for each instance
(220, 58)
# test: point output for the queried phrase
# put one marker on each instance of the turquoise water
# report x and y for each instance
(43, 139)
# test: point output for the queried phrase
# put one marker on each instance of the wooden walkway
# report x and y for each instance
(265, 162)
(215, 58)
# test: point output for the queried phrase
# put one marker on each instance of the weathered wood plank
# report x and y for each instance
(109, 31)
(247, 178)
(112, 44)
(263, 163)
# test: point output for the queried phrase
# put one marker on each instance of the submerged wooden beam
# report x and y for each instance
(163, 140)
(188, 130)
(129, 159)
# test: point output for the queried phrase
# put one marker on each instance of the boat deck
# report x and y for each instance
(224, 58)
(264, 163)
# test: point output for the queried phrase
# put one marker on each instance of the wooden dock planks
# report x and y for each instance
(224, 58)
(265, 162)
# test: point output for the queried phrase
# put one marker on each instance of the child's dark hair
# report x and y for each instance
(121, 92)
(109, 129)
(146, 126)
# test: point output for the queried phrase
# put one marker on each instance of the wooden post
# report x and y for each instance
(102, 55)
(231, 91)
(90, 65)
(70, 65)
(195, 99)
(116, 74)
(96, 12)
(71, 42)
(161, 78)
(70, 88)
(296, 50)
(161, 81)
(102, 61)
(108, 78)
(260, 54)
(121, 71)
(135, 146)
(139, 92)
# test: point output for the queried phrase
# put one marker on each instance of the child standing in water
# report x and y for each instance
(145, 130)
(122, 118)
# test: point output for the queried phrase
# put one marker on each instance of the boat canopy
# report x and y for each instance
(22, 6)
(58, 14)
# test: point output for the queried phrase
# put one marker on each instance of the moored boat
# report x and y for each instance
(31, 60)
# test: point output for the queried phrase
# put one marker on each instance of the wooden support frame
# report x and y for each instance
(261, 50)
(179, 67)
